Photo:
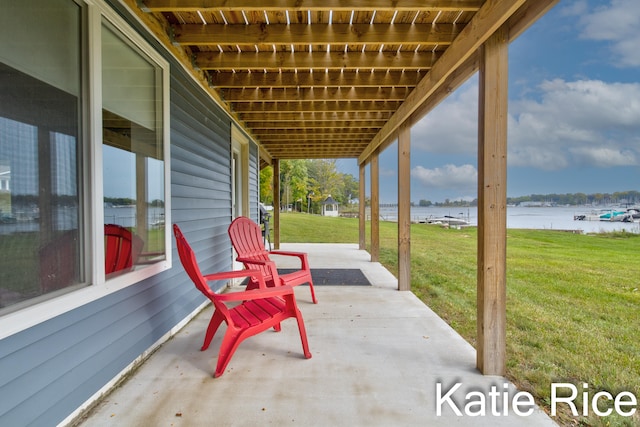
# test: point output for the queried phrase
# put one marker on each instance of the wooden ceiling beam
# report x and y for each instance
(322, 79)
(309, 136)
(290, 150)
(315, 118)
(279, 145)
(313, 133)
(313, 155)
(278, 116)
(315, 34)
(314, 124)
(260, 60)
(315, 94)
(314, 145)
(290, 61)
(331, 106)
(527, 15)
(492, 15)
(298, 5)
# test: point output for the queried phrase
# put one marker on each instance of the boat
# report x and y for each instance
(634, 212)
(448, 220)
(612, 215)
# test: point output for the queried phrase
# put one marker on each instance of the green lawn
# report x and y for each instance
(573, 307)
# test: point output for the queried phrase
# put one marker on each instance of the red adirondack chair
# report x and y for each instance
(246, 238)
(121, 248)
(259, 309)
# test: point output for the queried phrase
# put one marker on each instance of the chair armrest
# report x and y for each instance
(262, 262)
(302, 255)
(238, 273)
(253, 260)
(278, 291)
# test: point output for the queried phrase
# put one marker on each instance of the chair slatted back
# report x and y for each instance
(190, 265)
(246, 238)
(122, 248)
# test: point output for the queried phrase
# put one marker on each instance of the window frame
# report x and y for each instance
(95, 284)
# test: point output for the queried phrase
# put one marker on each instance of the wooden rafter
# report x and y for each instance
(335, 5)
(316, 94)
(351, 69)
(489, 18)
(357, 107)
(318, 79)
(321, 61)
(315, 34)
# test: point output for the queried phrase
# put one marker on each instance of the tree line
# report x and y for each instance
(630, 197)
(305, 184)
(619, 197)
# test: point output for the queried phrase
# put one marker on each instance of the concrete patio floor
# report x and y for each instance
(378, 356)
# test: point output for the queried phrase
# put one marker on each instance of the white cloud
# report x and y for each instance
(605, 156)
(586, 122)
(449, 177)
(617, 23)
(577, 8)
(568, 124)
(452, 127)
(387, 172)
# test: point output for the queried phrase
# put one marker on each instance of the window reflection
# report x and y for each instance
(39, 200)
(133, 161)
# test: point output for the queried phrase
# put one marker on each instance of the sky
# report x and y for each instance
(574, 113)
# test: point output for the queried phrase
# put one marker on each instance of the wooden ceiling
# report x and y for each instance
(328, 79)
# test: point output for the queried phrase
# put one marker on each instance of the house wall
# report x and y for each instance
(254, 182)
(51, 369)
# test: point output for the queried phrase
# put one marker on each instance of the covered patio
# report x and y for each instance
(378, 357)
(339, 79)
(243, 85)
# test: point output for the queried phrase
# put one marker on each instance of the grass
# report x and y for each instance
(20, 263)
(573, 301)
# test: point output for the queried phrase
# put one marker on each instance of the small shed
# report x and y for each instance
(329, 207)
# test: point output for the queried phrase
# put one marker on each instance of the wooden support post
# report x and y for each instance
(375, 207)
(404, 208)
(492, 205)
(362, 238)
(276, 203)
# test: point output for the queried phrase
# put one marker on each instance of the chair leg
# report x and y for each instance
(214, 324)
(230, 343)
(303, 334)
(313, 292)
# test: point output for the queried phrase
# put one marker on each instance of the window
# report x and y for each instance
(67, 167)
(40, 128)
(132, 150)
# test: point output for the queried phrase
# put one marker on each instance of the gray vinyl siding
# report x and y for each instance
(254, 182)
(51, 369)
(201, 174)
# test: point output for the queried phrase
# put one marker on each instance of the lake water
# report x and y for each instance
(547, 218)
(544, 218)
(66, 218)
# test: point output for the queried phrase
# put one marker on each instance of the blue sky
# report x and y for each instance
(574, 113)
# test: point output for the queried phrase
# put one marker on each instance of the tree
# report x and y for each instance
(325, 178)
(293, 181)
(266, 185)
(316, 179)
(351, 188)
